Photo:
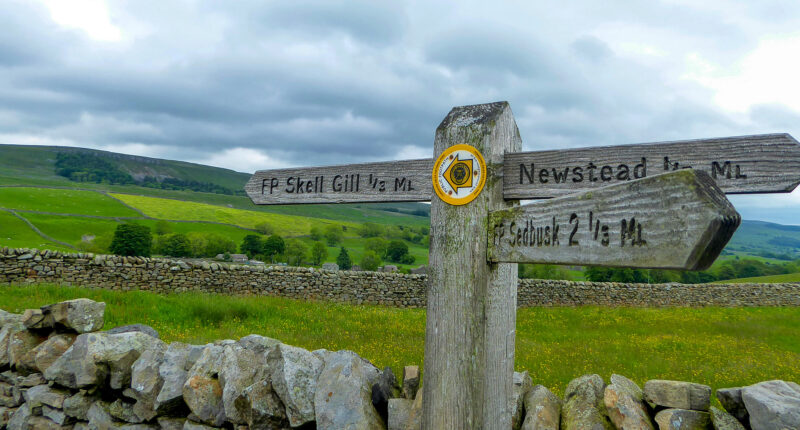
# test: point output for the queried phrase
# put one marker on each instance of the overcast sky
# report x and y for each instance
(257, 85)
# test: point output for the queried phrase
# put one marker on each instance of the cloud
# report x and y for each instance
(269, 84)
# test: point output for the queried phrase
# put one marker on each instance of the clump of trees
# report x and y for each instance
(730, 269)
(89, 167)
(264, 249)
(131, 240)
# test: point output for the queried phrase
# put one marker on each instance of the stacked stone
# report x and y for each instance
(59, 371)
(391, 289)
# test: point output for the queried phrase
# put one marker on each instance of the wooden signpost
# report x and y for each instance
(638, 207)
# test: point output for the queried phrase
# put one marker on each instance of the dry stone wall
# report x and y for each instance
(19, 266)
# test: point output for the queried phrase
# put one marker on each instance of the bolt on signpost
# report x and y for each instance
(656, 205)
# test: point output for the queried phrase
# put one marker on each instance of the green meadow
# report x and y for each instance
(721, 347)
(63, 201)
(14, 233)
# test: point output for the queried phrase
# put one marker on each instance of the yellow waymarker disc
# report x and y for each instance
(459, 174)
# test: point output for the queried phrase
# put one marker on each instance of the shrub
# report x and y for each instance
(407, 259)
(296, 252)
(274, 245)
(396, 250)
(131, 240)
(370, 261)
(319, 252)
(343, 260)
(175, 245)
(333, 234)
(265, 228)
(251, 245)
(370, 230)
(315, 233)
(377, 245)
(163, 227)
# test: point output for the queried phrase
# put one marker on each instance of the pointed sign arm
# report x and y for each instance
(676, 220)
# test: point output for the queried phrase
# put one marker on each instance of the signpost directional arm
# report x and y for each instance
(767, 163)
(677, 220)
(391, 181)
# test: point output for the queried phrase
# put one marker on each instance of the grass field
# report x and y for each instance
(788, 277)
(14, 233)
(190, 211)
(721, 347)
(63, 201)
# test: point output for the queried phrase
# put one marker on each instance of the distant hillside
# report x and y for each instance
(766, 239)
(35, 166)
(19, 162)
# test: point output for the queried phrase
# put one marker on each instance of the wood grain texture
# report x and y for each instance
(470, 332)
(747, 164)
(392, 181)
(676, 220)
(765, 163)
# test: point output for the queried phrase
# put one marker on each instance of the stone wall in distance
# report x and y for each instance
(21, 266)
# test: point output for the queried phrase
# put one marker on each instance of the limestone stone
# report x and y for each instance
(294, 378)
(40, 395)
(178, 359)
(191, 425)
(46, 353)
(683, 419)
(384, 387)
(144, 328)
(95, 356)
(9, 318)
(167, 423)
(415, 414)
(81, 315)
(542, 409)
(583, 404)
(32, 380)
(5, 415)
(677, 394)
(624, 404)
(123, 411)
(343, 397)
(410, 381)
(6, 333)
(398, 411)
(35, 319)
(241, 367)
(261, 406)
(77, 405)
(21, 353)
(20, 419)
(57, 416)
(521, 386)
(202, 390)
(724, 421)
(731, 400)
(773, 405)
(146, 383)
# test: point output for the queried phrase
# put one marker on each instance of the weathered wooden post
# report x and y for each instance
(469, 337)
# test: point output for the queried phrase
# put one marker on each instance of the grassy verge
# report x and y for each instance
(720, 347)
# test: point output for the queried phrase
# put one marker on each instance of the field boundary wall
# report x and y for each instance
(25, 266)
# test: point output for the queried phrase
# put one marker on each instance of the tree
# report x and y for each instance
(296, 252)
(216, 244)
(265, 228)
(378, 245)
(396, 250)
(333, 234)
(273, 246)
(163, 227)
(343, 260)
(370, 261)
(251, 245)
(319, 252)
(176, 245)
(132, 239)
(370, 230)
(315, 233)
